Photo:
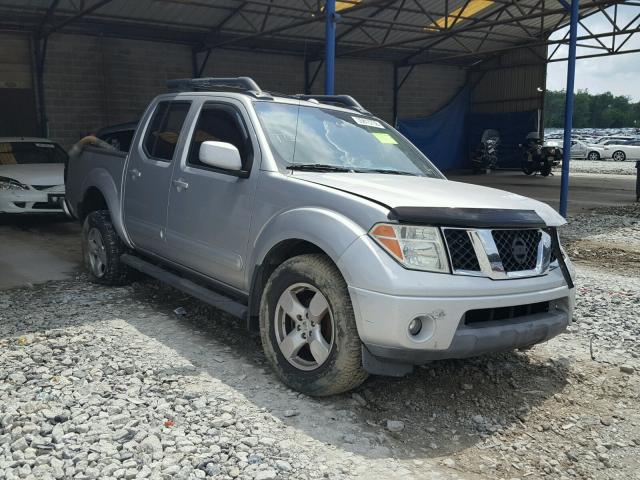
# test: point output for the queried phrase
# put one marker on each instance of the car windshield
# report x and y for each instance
(20, 153)
(321, 138)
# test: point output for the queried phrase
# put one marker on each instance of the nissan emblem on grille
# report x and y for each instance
(519, 250)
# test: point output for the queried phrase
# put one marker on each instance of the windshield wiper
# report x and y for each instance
(319, 167)
(386, 171)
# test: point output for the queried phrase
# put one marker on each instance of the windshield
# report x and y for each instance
(303, 135)
(21, 153)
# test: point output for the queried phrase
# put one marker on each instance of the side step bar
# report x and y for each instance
(187, 286)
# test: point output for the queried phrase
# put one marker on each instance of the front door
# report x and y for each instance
(148, 176)
(210, 209)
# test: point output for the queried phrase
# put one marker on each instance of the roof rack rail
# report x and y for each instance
(338, 100)
(208, 83)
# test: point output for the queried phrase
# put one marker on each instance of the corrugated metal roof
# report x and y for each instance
(408, 31)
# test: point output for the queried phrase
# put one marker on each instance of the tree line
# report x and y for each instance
(603, 110)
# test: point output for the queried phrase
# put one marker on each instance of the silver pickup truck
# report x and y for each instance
(324, 229)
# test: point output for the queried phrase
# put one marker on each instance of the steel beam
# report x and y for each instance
(77, 16)
(330, 46)
(473, 26)
(518, 47)
(47, 16)
(568, 107)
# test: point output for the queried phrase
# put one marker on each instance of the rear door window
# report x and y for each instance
(164, 130)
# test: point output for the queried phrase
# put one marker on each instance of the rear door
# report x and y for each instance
(148, 175)
(578, 149)
(209, 213)
(633, 149)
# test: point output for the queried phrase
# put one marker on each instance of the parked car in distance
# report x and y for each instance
(118, 136)
(31, 175)
(623, 150)
(610, 139)
(583, 150)
(324, 229)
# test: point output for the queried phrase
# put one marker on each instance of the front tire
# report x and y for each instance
(594, 156)
(101, 251)
(308, 327)
(545, 170)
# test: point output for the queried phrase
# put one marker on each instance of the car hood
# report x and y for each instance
(405, 191)
(35, 174)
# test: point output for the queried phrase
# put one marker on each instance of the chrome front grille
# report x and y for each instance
(462, 254)
(518, 249)
(498, 254)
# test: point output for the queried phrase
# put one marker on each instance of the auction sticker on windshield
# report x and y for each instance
(384, 138)
(367, 122)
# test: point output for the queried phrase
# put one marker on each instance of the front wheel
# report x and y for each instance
(308, 328)
(619, 156)
(593, 156)
(527, 169)
(545, 170)
(101, 251)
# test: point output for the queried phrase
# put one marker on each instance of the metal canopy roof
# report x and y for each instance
(458, 32)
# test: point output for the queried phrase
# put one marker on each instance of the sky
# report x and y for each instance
(619, 74)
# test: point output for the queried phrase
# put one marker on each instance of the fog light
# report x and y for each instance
(415, 326)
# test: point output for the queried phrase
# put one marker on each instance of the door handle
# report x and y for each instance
(180, 184)
(135, 173)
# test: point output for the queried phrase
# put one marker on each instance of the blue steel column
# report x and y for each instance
(568, 109)
(330, 46)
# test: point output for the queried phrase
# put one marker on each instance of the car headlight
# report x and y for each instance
(7, 183)
(415, 247)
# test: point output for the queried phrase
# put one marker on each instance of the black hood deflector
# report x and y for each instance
(468, 217)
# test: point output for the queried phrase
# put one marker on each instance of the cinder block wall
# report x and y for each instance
(92, 82)
(428, 89)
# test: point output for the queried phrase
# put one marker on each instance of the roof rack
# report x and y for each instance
(338, 100)
(245, 84)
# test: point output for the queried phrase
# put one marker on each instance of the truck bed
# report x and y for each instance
(93, 166)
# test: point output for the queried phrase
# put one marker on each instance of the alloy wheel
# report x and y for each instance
(97, 253)
(304, 326)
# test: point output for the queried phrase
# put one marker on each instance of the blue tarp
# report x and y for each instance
(449, 136)
(441, 136)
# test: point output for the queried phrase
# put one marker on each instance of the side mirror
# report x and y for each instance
(220, 155)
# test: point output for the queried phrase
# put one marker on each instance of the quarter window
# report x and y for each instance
(164, 130)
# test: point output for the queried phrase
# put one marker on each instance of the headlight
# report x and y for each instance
(415, 247)
(11, 184)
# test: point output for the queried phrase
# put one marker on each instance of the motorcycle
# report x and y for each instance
(485, 157)
(539, 157)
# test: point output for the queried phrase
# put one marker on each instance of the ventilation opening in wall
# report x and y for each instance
(18, 117)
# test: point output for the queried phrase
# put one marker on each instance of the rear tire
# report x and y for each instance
(314, 352)
(593, 156)
(619, 156)
(101, 251)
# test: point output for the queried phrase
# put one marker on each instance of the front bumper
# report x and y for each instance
(32, 200)
(383, 322)
(537, 309)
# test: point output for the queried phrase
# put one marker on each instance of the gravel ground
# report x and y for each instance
(607, 238)
(603, 166)
(102, 382)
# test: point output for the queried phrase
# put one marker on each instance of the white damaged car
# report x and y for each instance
(31, 175)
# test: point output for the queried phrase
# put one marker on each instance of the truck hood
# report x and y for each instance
(405, 191)
(35, 173)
